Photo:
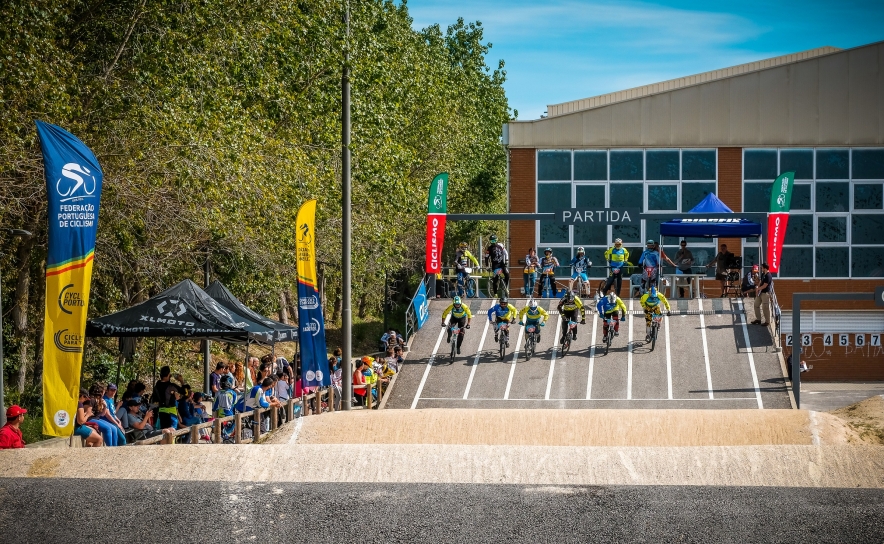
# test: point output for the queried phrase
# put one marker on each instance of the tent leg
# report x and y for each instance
(154, 361)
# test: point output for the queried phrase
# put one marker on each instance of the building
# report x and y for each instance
(732, 131)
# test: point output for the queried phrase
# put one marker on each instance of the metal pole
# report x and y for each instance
(346, 317)
(796, 349)
(206, 355)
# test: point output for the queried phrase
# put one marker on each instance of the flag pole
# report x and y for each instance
(346, 315)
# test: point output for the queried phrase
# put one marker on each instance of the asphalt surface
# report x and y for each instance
(701, 360)
(825, 397)
(46, 510)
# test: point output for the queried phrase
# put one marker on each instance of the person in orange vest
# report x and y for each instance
(10, 434)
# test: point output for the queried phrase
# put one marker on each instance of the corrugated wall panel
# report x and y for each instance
(744, 122)
(833, 101)
(714, 124)
(659, 120)
(826, 321)
(597, 127)
(773, 100)
(685, 115)
(864, 93)
(804, 115)
(626, 123)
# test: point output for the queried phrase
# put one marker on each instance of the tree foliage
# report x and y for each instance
(215, 119)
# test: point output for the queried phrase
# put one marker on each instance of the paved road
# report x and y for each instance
(47, 510)
(705, 357)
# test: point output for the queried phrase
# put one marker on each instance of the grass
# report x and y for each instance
(32, 428)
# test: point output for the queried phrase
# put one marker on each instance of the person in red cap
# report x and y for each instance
(10, 434)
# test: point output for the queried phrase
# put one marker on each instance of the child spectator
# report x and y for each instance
(107, 430)
(87, 432)
(132, 420)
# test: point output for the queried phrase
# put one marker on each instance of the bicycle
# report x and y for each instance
(582, 287)
(656, 319)
(569, 336)
(547, 282)
(649, 278)
(456, 332)
(609, 337)
(498, 275)
(466, 284)
(531, 334)
(503, 334)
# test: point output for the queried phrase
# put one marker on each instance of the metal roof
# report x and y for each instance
(554, 110)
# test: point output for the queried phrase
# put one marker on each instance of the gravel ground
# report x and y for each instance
(41, 510)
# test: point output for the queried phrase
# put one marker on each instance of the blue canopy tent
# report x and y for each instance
(719, 227)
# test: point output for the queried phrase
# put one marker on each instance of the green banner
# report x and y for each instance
(781, 193)
(438, 199)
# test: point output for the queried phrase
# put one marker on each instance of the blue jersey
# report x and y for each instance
(649, 257)
(579, 264)
(606, 307)
(509, 312)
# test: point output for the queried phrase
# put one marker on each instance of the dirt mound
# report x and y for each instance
(865, 419)
(663, 428)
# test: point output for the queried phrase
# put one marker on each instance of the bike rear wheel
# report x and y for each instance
(608, 338)
(653, 336)
(472, 288)
(502, 346)
(453, 347)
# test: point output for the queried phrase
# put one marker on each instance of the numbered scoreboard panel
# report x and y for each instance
(834, 339)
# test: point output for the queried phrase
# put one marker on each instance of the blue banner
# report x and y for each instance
(421, 305)
(314, 358)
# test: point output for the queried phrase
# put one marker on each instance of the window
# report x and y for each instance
(831, 230)
(867, 228)
(631, 234)
(663, 164)
(868, 164)
(799, 161)
(867, 262)
(832, 164)
(662, 197)
(694, 193)
(698, 164)
(554, 165)
(549, 197)
(799, 230)
(590, 196)
(832, 197)
(627, 165)
(626, 195)
(800, 196)
(760, 164)
(796, 262)
(596, 256)
(832, 262)
(591, 165)
(756, 197)
(867, 196)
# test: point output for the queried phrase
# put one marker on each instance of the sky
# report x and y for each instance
(562, 50)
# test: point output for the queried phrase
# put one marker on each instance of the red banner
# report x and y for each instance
(776, 232)
(435, 239)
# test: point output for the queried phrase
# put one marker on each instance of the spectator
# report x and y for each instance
(131, 418)
(684, 260)
(10, 434)
(88, 433)
(110, 393)
(281, 388)
(335, 389)
(215, 377)
(750, 280)
(135, 389)
(722, 262)
(166, 395)
(762, 296)
(109, 414)
(108, 431)
(186, 408)
(393, 359)
(532, 264)
(391, 338)
(263, 371)
(258, 398)
(251, 374)
(238, 376)
(359, 380)
(226, 399)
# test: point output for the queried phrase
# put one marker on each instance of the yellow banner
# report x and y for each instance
(67, 299)
(306, 224)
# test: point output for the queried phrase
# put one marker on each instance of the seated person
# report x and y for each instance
(131, 420)
(89, 433)
(393, 359)
(750, 281)
(391, 338)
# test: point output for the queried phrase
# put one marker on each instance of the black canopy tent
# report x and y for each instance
(280, 331)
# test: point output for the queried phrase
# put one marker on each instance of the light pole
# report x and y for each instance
(346, 212)
(23, 234)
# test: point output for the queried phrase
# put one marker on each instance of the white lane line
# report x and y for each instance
(629, 356)
(595, 323)
(552, 361)
(509, 381)
(751, 357)
(705, 349)
(668, 359)
(420, 388)
(474, 399)
(466, 392)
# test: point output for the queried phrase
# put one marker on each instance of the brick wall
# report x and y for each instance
(833, 363)
(522, 200)
(730, 177)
